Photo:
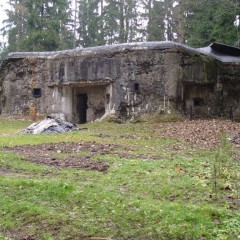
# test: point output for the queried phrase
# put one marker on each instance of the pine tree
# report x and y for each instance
(38, 25)
(15, 25)
(210, 21)
(121, 21)
(156, 17)
(90, 23)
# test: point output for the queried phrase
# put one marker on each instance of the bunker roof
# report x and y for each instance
(221, 52)
(107, 49)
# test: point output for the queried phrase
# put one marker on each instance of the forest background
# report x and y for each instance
(43, 25)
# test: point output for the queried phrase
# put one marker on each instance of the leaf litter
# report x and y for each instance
(200, 134)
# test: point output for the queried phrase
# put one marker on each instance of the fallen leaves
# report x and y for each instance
(200, 134)
(179, 169)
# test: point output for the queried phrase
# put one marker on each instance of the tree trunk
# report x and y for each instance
(121, 19)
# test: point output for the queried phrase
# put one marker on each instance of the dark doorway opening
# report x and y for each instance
(82, 107)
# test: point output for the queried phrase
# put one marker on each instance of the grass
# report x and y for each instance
(12, 126)
(169, 198)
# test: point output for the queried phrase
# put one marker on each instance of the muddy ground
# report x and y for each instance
(65, 154)
(73, 154)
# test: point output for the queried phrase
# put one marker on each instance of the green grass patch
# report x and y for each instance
(12, 126)
(137, 198)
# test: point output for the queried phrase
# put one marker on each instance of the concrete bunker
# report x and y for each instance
(83, 85)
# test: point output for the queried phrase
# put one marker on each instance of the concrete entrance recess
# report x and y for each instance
(81, 103)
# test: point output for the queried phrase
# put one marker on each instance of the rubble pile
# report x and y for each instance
(50, 125)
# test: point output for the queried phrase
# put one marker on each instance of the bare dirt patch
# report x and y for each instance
(6, 172)
(74, 154)
(66, 154)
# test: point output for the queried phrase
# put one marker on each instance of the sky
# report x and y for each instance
(3, 5)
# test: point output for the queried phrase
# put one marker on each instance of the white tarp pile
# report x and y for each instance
(50, 125)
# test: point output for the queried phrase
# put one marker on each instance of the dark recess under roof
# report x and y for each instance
(225, 49)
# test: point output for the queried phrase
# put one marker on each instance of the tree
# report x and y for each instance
(198, 23)
(121, 21)
(38, 25)
(44, 25)
(156, 20)
(210, 21)
(14, 26)
(90, 23)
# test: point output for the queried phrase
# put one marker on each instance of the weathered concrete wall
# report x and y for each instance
(198, 76)
(228, 88)
(21, 76)
(124, 80)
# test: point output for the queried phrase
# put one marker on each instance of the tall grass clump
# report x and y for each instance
(225, 174)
